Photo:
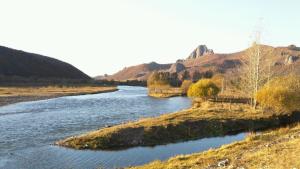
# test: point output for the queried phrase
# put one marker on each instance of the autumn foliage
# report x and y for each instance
(281, 94)
(204, 88)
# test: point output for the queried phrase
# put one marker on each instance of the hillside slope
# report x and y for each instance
(138, 72)
(204, 60)
(16, 63)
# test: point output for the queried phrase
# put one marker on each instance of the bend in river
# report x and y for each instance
(28, 129)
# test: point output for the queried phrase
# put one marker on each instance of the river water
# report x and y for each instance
(28, 130)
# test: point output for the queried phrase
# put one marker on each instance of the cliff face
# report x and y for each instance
(204, 61)
(16, 63)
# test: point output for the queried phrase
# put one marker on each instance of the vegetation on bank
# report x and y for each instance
(278, 148)
(165, 92)
(281, 94)
(204, 88)
(164, 84)
(163, 79)
(211, 119)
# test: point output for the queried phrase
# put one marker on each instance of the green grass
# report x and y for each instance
(211, 119)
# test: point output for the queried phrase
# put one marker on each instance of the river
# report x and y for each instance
(28, 130)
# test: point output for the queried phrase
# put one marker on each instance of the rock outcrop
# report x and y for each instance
(290, 60)
(201, 50)
(177, 67)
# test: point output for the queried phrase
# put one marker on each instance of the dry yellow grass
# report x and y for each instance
(165, 91)
(9, 95)
(275, 149)
(50, 90)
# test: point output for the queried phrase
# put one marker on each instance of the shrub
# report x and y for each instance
(204, 88)
(163, 79)
(186, 85)
(157, 79)
(281, 94)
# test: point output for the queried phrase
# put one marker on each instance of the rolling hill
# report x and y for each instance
(17, 64)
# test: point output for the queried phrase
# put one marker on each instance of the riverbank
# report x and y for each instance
(165, 92)
(210, 120)
(277, 148)
(10, 95)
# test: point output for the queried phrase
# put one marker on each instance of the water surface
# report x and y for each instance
(28, 129)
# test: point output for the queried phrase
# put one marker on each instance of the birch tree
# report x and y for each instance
(256, 68)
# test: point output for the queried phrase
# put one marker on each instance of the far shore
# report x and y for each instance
(11, 95)
(165, 92)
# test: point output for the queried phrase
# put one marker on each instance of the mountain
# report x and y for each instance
(204, 61)
(20, 64)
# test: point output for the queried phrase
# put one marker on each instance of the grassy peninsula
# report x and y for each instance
(211, 119)
(9, 95)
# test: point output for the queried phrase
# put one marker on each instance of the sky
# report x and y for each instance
(104, 36)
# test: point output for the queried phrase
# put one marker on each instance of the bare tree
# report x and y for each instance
(256, 68)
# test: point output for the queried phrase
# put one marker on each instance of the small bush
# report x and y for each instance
(186, 85)
(281, 94)
(204, 88)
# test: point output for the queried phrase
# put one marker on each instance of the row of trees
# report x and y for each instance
(174, 79)
(166, 79)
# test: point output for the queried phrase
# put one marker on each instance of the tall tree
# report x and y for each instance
(257, 68)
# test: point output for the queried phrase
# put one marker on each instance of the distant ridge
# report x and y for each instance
(138, 72)
(17, 63)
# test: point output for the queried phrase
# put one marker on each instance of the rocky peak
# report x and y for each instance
(201, 50)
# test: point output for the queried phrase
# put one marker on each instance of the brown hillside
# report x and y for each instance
(139, 72)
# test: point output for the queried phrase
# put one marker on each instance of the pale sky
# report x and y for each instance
(104, 36)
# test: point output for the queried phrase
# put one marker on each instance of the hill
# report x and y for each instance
(138, 72)
(17, 64)
(204, 62)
